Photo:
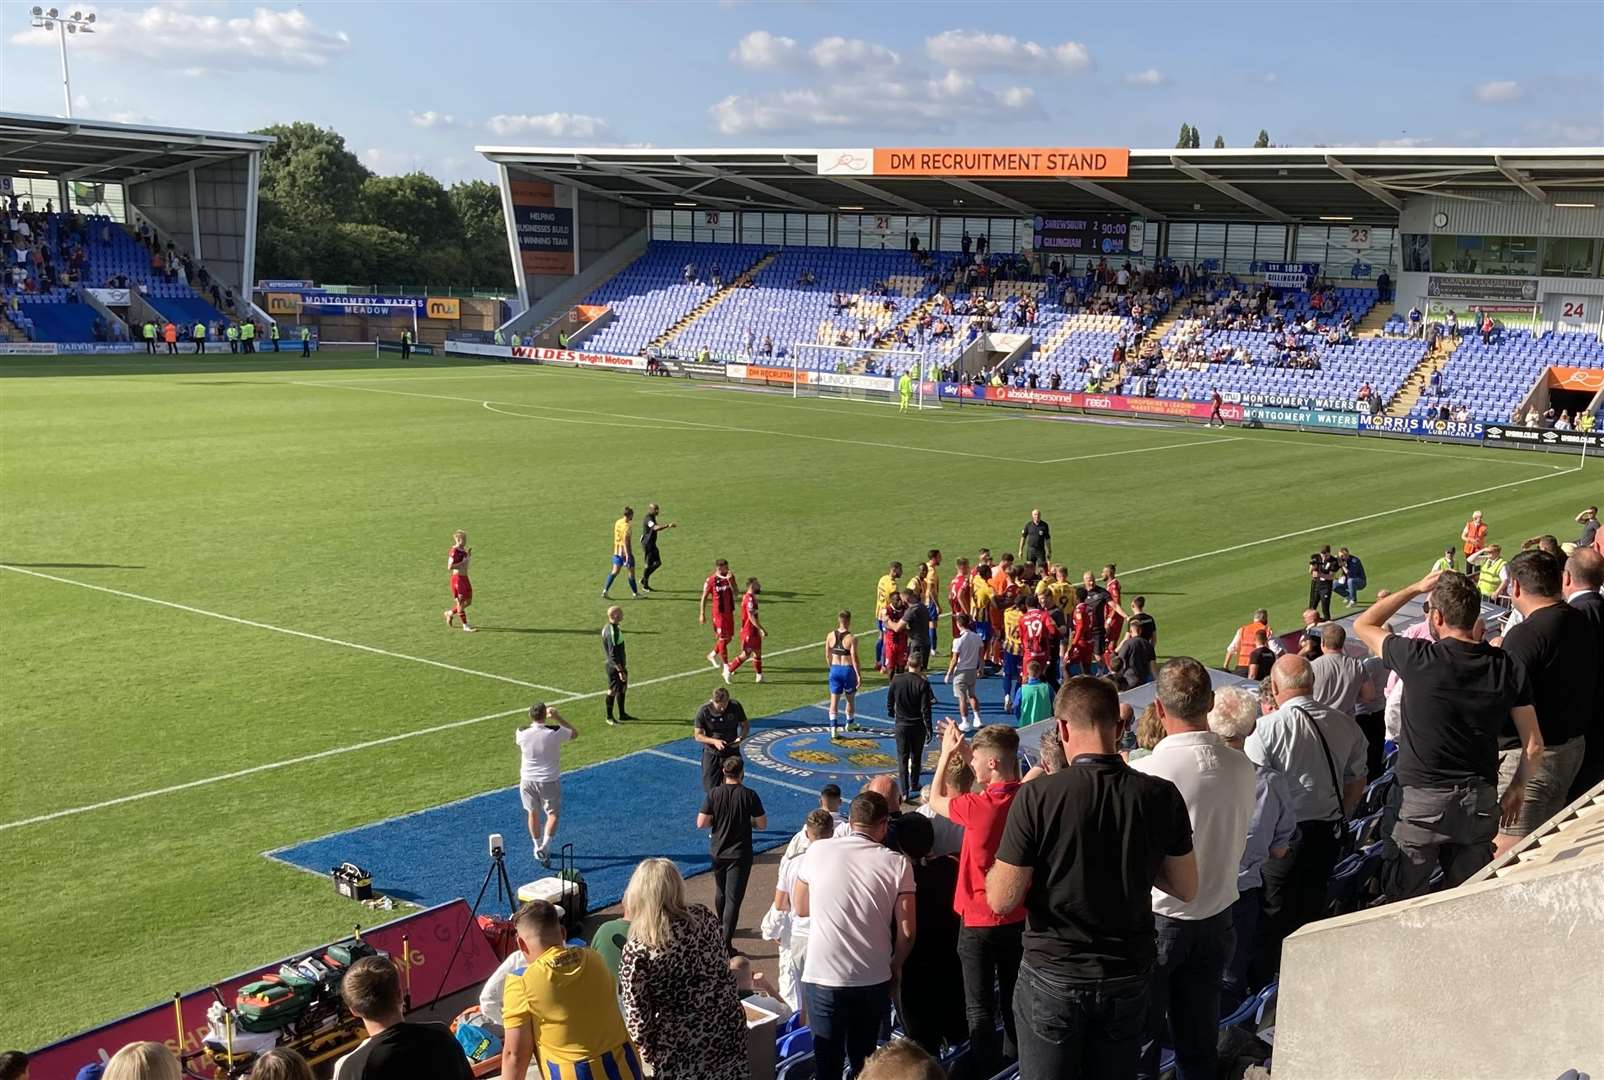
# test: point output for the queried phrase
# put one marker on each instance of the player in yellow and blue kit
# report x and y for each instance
(623, 552)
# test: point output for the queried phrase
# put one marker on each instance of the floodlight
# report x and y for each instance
(77, 15)
(90, 17)
(52, 13)
(38, 11)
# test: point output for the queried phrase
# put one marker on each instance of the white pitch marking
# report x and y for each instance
(1144, 449)
(284, 630)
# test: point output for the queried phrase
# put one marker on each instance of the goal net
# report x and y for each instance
(860, 373)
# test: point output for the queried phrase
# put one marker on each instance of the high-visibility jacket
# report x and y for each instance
(1487, 582)
(199, 333)
(1246, 637)
(272, 331)
(150, 331)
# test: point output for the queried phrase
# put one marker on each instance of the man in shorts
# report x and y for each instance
(962, 671)
(841, 654)
(720, 588)
(540, 776)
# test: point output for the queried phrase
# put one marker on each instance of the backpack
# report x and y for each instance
(476, 1035)
(272, 1002)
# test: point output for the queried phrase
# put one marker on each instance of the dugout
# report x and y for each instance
(1532, 218)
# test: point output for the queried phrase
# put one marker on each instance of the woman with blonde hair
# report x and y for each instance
(143, 1061)
(674, 982)
(1149, 732)
(280, 1064)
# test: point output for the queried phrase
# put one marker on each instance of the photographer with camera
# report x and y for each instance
(1323, 567)
(540, 776)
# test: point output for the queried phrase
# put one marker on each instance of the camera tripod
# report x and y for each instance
(497, 871)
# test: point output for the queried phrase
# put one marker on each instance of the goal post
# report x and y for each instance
(860, 373)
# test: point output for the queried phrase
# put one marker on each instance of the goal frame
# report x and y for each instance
(817, 388)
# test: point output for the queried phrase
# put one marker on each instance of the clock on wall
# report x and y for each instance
(1440, 220)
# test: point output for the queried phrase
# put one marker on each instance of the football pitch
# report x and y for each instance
(222, 587)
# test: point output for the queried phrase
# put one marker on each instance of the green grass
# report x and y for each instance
(234, 487)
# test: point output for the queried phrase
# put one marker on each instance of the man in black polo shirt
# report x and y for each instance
(395, 1048)
(648, 544)
(1555, 647)
(732, 810)
(721, 728)
(1458, 693)
(917, 622)
(1322, 569)
(909, 700)
(1035, 540)
(1081, 850)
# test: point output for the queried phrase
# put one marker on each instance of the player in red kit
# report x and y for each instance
(461, 588)
(1113, 624)
(1038, 638)
(1079, 653)
(1111, 586)
(752, 633)
(959, 595)
(895, 635)
(720, 586)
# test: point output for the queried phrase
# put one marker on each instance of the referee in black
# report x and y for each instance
(617, 673)
(648, 543)
(721, 728)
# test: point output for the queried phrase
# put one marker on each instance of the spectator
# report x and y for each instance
(1320, 751)
(395, 1049)
(608, 941)
(731, 810)
(1584, 573)
(1194, 936)
(782, 924)
(989, 945)
(153, 1061)
(1270, 831)
(1339, 679)
(959, 779)
(859, 897)
(1460, 693)
(931, 1013)
(1136, 655)
(13, 1065)
(560, 1006)
(901, 1059)
(753, 988)
(1049, 757)
(1557, 651)
(1239, 654)
(1140, 617)
(1149, 731)
(1081, 848)
(674, 980)
(1351, 578)
(539, 775)
(280, 1063)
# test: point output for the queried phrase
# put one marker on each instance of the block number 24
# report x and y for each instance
(1574, 309)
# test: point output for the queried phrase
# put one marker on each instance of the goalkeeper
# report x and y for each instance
(904, 391)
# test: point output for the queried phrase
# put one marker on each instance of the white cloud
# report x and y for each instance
(975, 50)
(263, 39)
(1499, 91)
(761, 50)
(552, 125)
(432, 119)
(1150, 77)
(107, 109)
(390, 162)
(834, 52)
(876, 101)
(1405, 142)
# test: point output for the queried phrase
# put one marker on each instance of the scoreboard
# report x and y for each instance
(1082, 234)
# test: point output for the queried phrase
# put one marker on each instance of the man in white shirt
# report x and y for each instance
(781, 924)
(1194, 936)
(540, 775)
(1322, 754)
(962, 671)
(858, 897)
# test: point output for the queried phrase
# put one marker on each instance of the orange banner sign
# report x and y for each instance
(1002, 161)
(1590, 380)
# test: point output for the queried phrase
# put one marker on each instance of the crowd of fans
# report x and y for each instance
(1119, 897)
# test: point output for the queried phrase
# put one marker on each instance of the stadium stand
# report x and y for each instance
(1493, 378)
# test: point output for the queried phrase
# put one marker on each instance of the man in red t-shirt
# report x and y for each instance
(720, 586)
(989, 945)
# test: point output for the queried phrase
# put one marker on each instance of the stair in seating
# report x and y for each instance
(1372, 323)
(1415, 383)
(712, 301)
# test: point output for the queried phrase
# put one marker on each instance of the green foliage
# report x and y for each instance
(325, 216)
(1194, 143)
(1184, 140)
(1219, 142)
(1262, 141)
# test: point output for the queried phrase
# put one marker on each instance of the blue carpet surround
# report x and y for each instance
(618, 812)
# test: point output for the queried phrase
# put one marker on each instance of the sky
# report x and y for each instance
(417, 85)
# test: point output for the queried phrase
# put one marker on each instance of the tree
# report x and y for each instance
(1262, 141)
(1194, 144)
(484, 231)
(1185, 139)
(415, 205)
(1219, 142)
(310, 174)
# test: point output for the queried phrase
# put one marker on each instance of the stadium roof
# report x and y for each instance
(1366, 184)
(98, 151)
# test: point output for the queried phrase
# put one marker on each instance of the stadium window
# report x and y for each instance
(662, 225)
(1210, 241)
(1312, 243)
(1569, 256)
(818, 230)
(1270, 243)
(1239, 246)
(751, 227)
(949, 232)
(682, 224)
(1001, 234)
(1494, 255)
(1182, 246)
